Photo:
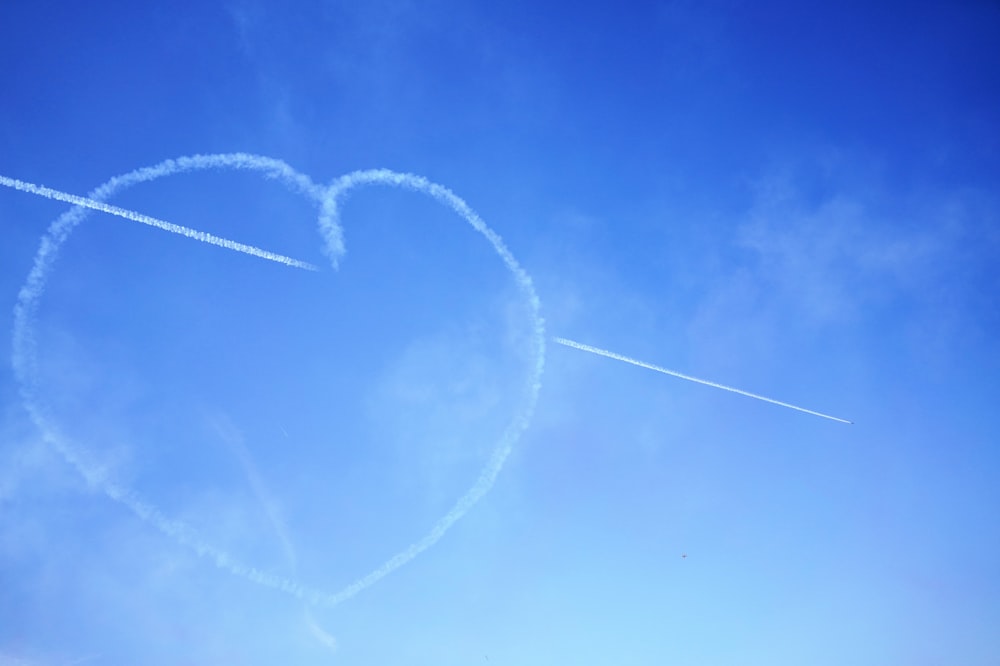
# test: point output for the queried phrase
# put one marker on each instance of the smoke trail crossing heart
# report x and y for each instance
(202, 236)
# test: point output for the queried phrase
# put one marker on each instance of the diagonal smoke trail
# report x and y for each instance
(233, 438)
(649, 366)
(234, 441)
(202, 236)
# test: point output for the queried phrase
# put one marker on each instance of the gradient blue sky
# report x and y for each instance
(798, 200)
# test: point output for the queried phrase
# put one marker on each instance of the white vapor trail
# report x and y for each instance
(24, 356)
(202, 236)
(233, 438)
(234, 441)
(672, 373)
(331, 228)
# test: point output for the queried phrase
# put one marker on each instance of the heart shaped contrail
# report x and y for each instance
(25, 361)
(673, 373)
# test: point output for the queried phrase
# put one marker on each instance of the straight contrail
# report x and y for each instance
(672, 373)
(202, 236)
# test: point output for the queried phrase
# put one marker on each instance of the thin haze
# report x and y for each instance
(797, 197)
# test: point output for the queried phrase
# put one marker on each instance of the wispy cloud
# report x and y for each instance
(838, 251)
(834, 254)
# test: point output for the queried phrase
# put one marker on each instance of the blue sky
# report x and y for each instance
(799, 201)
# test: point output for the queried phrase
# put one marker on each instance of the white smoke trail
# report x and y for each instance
(672, 373)
(202, 236)
(330, 227)
(234, 441)
(328, 640)
(24, 355)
